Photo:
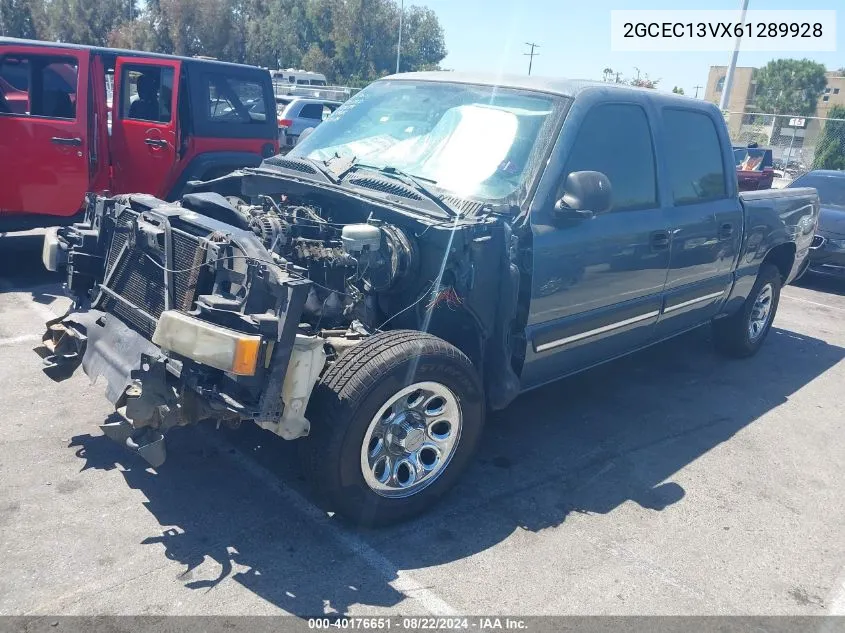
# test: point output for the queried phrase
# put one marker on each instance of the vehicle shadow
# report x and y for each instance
(830, 285)
(221, 523)
(586, 444)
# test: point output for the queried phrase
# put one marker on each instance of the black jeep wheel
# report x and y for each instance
(742, 334)
(393, 424)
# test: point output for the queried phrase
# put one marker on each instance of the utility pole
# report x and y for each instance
(696, 90)
(531, 55)
(729, 78)
(399, 43)
(638, 73)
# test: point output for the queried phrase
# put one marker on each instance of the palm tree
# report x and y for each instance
(608, 73)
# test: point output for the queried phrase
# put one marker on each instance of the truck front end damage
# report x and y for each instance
(229, 308)
(186, 318)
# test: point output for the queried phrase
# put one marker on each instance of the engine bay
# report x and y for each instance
(349, 264)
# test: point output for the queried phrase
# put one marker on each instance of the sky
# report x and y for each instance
(574, 39)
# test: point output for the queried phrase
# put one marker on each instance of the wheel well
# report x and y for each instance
(783, 257)
(460, 329)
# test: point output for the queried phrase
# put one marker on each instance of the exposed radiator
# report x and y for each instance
(137, 279)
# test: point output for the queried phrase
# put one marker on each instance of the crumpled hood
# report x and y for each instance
(831, 220)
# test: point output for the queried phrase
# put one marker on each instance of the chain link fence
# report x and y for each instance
(798, 143)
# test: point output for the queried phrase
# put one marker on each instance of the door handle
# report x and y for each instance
(61, 140)
(659, 240)
(155, 142)
(726, 231)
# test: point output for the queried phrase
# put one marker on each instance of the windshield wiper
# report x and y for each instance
(412, 181)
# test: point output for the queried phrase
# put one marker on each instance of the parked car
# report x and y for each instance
(300, 115)
(440, 245)
(177, 119)
(754, 167)
(827, 253)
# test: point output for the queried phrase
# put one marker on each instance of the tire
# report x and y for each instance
(735, 336)
(350, 407)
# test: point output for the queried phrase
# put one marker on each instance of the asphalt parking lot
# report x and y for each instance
(670, 482)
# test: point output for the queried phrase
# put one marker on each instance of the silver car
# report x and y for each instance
(299, 115)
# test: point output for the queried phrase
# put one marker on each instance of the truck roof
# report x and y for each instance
(551, 85)
(119, 51)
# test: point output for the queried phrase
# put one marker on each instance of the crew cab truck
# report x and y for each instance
(439, 245)
(75, 119)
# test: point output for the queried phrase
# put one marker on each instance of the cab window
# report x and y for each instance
(233, 100)
(615, 139)
(694, 157)
(146, 93)
(38, 86)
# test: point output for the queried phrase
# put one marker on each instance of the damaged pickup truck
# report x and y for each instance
(442, 243)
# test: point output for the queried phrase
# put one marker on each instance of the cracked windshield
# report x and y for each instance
(470, 140)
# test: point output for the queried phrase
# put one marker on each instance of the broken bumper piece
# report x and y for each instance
(140, 390)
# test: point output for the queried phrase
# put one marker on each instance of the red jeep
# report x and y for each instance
(171, 120)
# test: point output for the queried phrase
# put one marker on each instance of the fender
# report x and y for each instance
(202, 164)
(774, 218)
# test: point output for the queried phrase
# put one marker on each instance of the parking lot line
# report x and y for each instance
(399, 579)
(815, 303)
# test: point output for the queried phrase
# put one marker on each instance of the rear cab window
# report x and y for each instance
(312, 111)
(234, 100)
(752, 158)
(693, 157)
(39, 86)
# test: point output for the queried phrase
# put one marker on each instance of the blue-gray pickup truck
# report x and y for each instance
(439, 245)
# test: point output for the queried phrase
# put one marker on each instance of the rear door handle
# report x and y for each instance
(726, 231)
(659, 240)
(61, 140)
(155, 142)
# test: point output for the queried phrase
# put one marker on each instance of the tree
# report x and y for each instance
(643, 82)
(790, 86)
(677, 90)
(84, 21)
(350, 41)
(423, 41)
(607, 74)
(16, 19)
(830, 150)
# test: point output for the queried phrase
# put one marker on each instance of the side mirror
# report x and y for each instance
(585, 194)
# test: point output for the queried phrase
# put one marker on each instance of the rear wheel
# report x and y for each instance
(394, 423)
(742, 334)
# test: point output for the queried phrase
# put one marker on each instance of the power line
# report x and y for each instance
(531, 55)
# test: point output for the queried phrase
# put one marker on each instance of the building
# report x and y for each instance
(767, 130)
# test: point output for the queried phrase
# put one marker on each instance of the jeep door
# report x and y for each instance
(145, 141)
(44, 127)
(597, 282)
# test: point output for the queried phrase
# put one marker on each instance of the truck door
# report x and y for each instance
(44, 129)
(705, 218)
(597, 282)
(145, 140)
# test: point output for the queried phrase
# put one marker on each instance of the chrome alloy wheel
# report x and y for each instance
(760, 312)
(411, 440)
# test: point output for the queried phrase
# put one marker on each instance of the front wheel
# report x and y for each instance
(742, 334)
(394, 423)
